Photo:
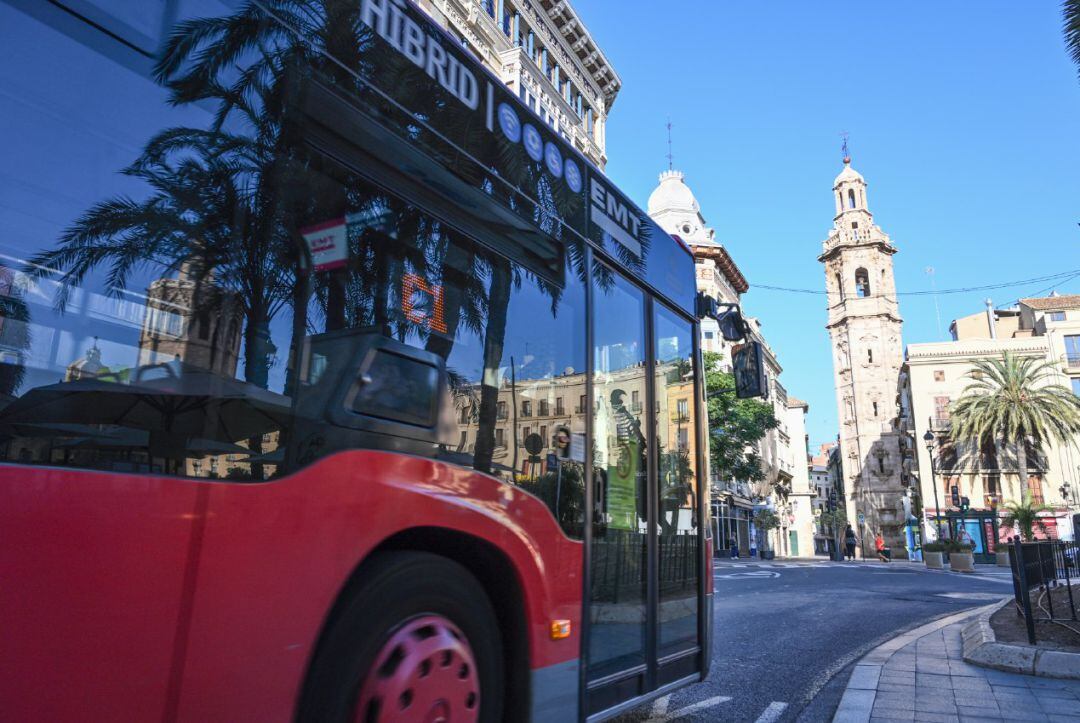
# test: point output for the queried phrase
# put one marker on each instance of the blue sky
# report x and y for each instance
(962, 117)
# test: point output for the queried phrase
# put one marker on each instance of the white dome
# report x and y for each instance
(672, 195)
(848, 174)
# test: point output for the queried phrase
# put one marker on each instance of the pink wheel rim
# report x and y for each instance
(424, 673)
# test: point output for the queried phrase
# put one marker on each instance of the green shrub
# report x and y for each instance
(947, 546)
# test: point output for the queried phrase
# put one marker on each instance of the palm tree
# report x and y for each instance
(1025, 516)
(1016, 401)
(1070, 11)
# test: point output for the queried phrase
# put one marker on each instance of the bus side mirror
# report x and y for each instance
(749, 367)
(727, 316)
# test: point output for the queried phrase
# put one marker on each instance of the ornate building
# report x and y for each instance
(864, 328)
(543, 52)
(786, 486)
(192, 319)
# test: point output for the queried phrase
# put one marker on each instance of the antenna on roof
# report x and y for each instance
(844, 147)
(670, 155)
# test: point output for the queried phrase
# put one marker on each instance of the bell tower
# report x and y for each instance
(864, 329)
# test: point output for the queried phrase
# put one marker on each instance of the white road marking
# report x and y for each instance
(759, 574)
(971, 595)
(660, 712)
(772, 713)
(659, 708)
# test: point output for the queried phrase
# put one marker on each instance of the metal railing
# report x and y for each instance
(618, 565)
(1045, 566)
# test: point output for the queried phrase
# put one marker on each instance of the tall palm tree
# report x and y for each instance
(1025, 516)
(1015, 401)
(1070, 12)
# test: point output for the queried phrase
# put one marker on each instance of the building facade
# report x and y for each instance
(785, 487)
(864, 327)
(1042, 329)
(795, 537)
(820, 483)
(542, 51)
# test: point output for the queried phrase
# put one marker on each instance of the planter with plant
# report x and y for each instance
(934, 555)
(961, 556)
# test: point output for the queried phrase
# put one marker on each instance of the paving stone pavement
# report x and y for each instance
(921, 676)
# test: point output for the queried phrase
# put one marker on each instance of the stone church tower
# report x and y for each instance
(864, 328)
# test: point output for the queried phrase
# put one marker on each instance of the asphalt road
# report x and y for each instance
(787, 633)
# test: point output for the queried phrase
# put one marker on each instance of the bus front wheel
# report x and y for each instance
(417, 640)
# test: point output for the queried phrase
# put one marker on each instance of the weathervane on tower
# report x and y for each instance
(670, 155)
(844, 147)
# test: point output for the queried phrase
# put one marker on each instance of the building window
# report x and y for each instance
(526, 408)
(501, 410)
(1035, 489)
(939, 375)
(851, 198)
(708, 335)
(1072, 350)
(875, 409)
(870, 356)
(544, 408)
(1057, 316)
(543, 434)
(684, 439)
(682, 409)
(635, 401)
(862, 283)
(1076, 385)
(941, 411)
(581, 405)
(489, 7)
(500, 438)
(559, 406)
(840, 286)
(525, 432)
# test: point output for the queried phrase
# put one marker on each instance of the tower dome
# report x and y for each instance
(672, 195)
(849, 174)
(673, 206)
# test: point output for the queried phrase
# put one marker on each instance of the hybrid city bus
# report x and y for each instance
(334, 383)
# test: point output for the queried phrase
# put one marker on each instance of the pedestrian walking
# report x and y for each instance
(734, 545)
(883, 553)
(849, 543)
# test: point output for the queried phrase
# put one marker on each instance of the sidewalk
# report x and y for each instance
(921, 676)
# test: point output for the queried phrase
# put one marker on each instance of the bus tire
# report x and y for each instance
(416, 630)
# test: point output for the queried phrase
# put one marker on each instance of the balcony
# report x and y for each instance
(942, 424)
(1072, 361)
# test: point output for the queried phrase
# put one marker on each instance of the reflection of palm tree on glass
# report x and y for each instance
(199, 215)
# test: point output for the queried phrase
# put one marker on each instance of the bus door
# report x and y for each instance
(643, 601)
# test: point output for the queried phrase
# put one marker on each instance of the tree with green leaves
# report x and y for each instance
(1015, 401)
(735, 425)
(766, 521)
(1024, 515)
(835, 521)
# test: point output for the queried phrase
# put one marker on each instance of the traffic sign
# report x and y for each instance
(861, 518)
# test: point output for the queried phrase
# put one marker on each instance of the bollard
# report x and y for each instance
(1025, 593)
(1068, 579)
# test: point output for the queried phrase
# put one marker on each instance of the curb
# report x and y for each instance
(982, 648)
(861, 690)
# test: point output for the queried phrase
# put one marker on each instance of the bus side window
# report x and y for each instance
(398, 389)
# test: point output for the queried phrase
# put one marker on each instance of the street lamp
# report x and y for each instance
(929, 439)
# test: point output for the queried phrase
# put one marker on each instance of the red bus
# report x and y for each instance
(334, 383)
